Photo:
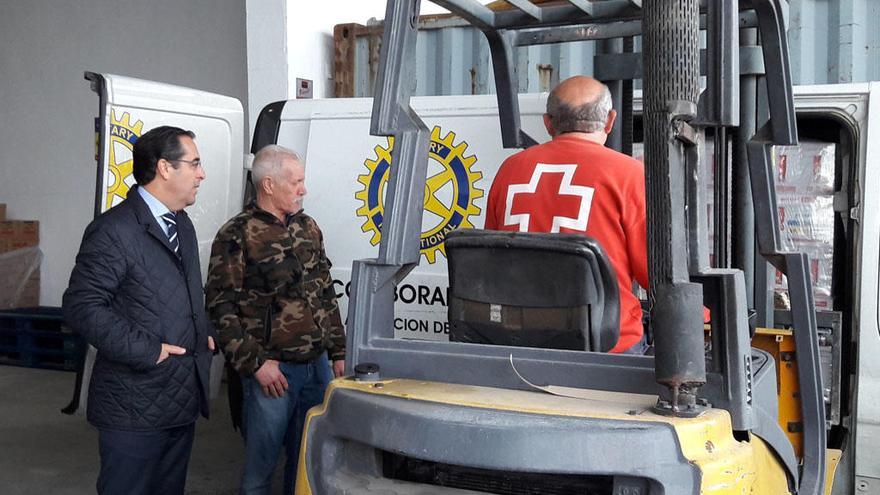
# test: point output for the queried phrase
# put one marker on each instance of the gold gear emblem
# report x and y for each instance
(122, 136)
(450, 192)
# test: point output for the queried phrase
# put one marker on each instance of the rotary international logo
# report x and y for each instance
(450, 192)
(122, 136)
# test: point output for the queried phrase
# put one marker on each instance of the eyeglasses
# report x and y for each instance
(192, 163)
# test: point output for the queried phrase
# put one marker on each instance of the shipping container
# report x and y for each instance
(830, 42)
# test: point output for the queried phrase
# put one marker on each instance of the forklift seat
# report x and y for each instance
(555, 291)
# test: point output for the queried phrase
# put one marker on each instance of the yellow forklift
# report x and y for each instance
(523, 400)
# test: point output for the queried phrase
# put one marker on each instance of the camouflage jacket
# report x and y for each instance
(269, 292)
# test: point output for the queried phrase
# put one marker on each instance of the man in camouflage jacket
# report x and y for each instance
(271, 298)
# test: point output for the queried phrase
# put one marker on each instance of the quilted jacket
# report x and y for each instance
(129, 293)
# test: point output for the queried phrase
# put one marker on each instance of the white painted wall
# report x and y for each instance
(266, 57)
(288, 39)
(310, 36)
(252, 50)
(47, 134)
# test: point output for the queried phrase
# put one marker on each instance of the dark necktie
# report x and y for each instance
(171, 221)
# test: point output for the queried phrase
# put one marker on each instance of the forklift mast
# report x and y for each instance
(688, 374)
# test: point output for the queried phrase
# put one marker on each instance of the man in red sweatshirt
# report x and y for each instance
(575, 184)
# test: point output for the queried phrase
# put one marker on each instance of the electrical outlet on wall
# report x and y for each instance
(303, 88)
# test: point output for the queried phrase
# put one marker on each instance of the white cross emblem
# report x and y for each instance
(566, 188)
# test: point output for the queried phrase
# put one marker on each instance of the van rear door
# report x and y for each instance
(128, 107)
(851, 111)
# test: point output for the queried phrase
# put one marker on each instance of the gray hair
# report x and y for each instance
(589, 117)
(268, 161)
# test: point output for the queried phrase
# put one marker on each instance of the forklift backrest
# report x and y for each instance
(531, 289)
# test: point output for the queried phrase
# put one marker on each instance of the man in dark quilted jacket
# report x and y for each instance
(271, 298)
(135, 294)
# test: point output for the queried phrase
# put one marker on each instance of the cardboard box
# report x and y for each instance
(807, 168)
(18, 234)
(2, 211)
(19, 240)
(30, 295)
(20, 278)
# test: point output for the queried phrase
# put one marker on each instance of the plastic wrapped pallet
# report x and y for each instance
(805, 198)
(18, 238)
(18, 234)
(18, 270)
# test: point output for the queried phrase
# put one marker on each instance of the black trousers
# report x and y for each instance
(144, 462)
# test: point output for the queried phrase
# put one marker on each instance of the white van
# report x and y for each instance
(829, 181)
(347, 171)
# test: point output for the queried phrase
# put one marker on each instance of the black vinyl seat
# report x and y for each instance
(531, 289)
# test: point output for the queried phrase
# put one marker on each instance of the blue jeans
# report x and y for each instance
(639, 348)
(269, 423)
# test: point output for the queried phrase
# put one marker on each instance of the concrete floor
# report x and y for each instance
(44, 451)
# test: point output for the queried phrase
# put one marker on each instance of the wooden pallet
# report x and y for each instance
(37, 338)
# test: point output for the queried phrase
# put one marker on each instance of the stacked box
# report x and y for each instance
(18, 234)
(805, 198)
(20, 278)
(30, 293)
(19, 264)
